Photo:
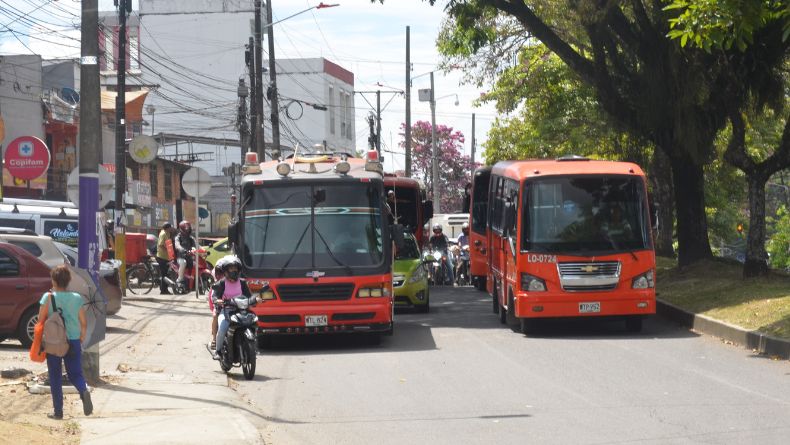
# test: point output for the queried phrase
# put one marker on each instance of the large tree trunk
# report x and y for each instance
(663, 199)
(756, 256)
(689, 183)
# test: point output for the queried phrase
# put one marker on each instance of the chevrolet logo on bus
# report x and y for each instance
(316, 274)
(589, 269)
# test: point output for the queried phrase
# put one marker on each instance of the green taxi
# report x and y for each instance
(410, 277)
(217, 250)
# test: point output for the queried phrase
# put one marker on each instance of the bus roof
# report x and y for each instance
(401, 181)
(301, 170)
(538, 168)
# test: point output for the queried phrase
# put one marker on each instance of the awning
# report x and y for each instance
(134, 103)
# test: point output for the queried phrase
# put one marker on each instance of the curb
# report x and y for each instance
(754, 340)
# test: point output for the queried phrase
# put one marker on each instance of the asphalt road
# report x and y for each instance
(456, 375)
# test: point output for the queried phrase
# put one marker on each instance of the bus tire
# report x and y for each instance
(481, 284)
(502, 310)
(510, 314)
(633, 324)
(528, 325)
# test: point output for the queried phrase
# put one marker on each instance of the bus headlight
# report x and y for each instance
(375, 292)
(342, 167)
(644, 281)
(267, 295)
(532, 283)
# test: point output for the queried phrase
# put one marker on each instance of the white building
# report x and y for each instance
(195, 52)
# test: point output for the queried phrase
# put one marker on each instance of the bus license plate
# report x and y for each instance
(587, 308)
(315, 320)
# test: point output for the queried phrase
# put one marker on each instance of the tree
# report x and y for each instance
(650, 86)
(455, 169)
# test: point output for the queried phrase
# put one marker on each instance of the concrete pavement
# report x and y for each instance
(161, 385)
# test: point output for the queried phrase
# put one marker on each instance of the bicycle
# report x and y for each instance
(142, 277)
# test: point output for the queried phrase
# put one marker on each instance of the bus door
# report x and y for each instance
(495, 243)
(478, 237)
(510, 246)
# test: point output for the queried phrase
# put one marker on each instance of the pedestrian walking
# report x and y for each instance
(162, 256)
(71, 307)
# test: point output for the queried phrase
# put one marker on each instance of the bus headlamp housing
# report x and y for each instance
(342, 167)
(267, 295)
(532, 283)
(374, 292)
(644, 281)
(283, 168)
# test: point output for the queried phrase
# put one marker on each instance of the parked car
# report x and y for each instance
(410, 277)
(23, 280)
(109, 274)
(41, 247)
(217, 250)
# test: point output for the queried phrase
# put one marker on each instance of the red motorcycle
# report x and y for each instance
(188, 285)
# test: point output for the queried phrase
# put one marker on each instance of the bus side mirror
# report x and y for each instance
(397, 236)
(233, 233)
(427, 211)
(654, 216)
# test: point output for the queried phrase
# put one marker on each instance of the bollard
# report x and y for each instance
(90, 364)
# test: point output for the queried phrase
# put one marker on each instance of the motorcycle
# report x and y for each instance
(438, 267)
(239, 348)
(188, 285)
(462, 271)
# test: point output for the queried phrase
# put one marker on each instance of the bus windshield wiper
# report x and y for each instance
(332, 255)
(298, 243)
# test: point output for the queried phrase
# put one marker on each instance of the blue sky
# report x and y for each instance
(368, 39)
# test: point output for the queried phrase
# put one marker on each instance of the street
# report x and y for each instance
(456, 375)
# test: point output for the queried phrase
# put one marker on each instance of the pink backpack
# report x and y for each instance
(55, 340)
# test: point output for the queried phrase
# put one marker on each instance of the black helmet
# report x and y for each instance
(229, 260)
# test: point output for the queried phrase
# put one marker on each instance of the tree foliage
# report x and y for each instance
(455, 168)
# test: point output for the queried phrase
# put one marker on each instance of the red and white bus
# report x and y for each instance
(315, 229)
(478, 235)
(570, 238)
(410, 207)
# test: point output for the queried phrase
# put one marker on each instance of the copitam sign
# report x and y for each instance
(27, 158)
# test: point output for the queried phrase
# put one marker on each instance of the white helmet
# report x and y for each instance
(227, 261)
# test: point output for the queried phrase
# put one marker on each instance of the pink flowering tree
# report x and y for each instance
(455, 168)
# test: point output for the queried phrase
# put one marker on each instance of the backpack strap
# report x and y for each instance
(54, 305)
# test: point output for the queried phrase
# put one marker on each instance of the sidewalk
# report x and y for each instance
(161, 385)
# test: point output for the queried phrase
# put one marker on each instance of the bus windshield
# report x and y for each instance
(309, 227)
(590, 214)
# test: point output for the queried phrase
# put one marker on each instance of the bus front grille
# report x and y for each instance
(589, 276)
(315, 292)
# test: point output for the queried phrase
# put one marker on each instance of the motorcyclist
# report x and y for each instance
(218, 275)
(439, 241)
(184, 243)
(229, 287)
(463, 241)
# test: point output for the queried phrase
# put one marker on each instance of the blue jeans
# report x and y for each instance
(73, 360)
(224, 325)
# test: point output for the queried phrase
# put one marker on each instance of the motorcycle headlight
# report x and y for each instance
(644, 281)
(532, 283)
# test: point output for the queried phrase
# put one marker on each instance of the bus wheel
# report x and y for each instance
(481, 284)
(502, 310)
(496, 304)
(528, 325)
(633, 324)
(510, 315)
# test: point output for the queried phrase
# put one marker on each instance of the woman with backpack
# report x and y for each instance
(70, 306)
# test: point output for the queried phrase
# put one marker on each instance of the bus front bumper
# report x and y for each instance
(584, 304)
(308, 319)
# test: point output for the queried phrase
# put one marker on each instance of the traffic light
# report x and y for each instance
(739, 228)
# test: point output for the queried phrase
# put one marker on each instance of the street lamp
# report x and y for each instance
(151, 109)
(429, 96)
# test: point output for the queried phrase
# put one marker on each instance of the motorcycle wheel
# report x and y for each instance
(224, 363)
(248, 354)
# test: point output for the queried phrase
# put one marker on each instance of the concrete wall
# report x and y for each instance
(57, 75)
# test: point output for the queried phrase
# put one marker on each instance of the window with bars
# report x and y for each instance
(168, 184)
(154, 180)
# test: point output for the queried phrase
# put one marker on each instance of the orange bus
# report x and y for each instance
(478, 236)
(314, 228)
(570, 238)
(411, 207)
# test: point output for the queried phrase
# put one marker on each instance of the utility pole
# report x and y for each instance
(273, 87)
(124, 7)
(250, 59)
(89, 160)
(241, 119)
(260, 147)
(372, 137)
(474, 143)
(434, 150)
(378, 122)
(407, 134)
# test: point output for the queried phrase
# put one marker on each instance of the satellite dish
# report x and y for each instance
(70, 95)
(203, 213)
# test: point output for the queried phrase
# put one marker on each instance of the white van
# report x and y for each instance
(56, 219)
